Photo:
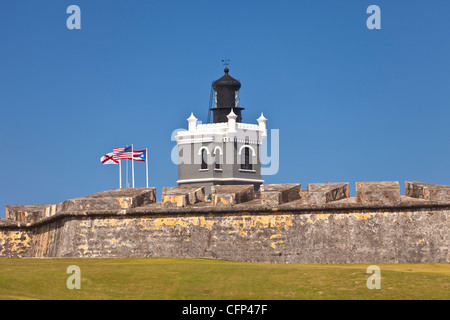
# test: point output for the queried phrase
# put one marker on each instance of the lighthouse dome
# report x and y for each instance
(227, 97)
(227, 82)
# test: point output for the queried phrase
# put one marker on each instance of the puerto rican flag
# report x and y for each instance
(108, 159)
(140, 155)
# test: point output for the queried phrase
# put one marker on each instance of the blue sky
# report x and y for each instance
(351, 104)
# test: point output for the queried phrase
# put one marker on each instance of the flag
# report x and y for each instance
(139, 155)
(108, 159)
(122, 153)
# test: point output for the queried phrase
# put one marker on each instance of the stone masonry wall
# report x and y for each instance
(360, 236)
(343, 231)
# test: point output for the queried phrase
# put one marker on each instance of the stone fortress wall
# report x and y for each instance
(279, 224)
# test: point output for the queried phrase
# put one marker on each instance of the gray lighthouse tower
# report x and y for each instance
(225, 152)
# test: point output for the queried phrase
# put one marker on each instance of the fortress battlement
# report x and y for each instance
(236, 198)
(278, 223)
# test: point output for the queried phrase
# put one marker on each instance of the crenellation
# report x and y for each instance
(231, 194)
(182, 196)
(29, 213)
(317, 195)
(378, 193)
(110, 200)
(276, 194)
(427, 191)
(321, 193)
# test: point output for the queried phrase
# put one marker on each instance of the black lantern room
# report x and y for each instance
(226, 98)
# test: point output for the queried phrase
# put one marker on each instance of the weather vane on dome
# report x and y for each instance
(226, 62)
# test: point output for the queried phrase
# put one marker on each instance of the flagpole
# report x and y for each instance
(132, 165)
(120, 174)
(146, 166)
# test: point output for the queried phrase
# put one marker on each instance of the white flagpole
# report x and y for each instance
(126, 184)
(146, 166)
(120, 174)
(132, 165)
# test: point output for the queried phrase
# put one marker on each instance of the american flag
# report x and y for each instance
(122, 153)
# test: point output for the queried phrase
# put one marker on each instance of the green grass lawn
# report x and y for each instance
(177, 279)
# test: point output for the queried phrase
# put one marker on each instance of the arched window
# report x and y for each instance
(218, 164)
(203, 152)
(246, 164)
(204, 163)
(217, 158)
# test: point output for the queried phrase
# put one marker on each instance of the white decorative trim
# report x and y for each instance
(228, 139)
(247, 146)
(197, 140)
(248, 126)
(217, 147)
(209, 126)
(246, 170)
(219, 179)
(200, 150)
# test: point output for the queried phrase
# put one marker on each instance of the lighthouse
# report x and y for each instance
(226, 151)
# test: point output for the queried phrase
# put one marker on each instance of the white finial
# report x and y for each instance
(192, 117)
(261, 118)
(192, 120)
(231, 115)
(262, 125)
(232, 121)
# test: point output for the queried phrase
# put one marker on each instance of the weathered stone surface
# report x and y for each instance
(412, 231)
(182, 196)
(29, 213)
(15, 243)
(275, 194)
(378, 193)
(354, 236)
(231, 194)
(110, 200)
(320, 193)
(427, 191)
(9, 223)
